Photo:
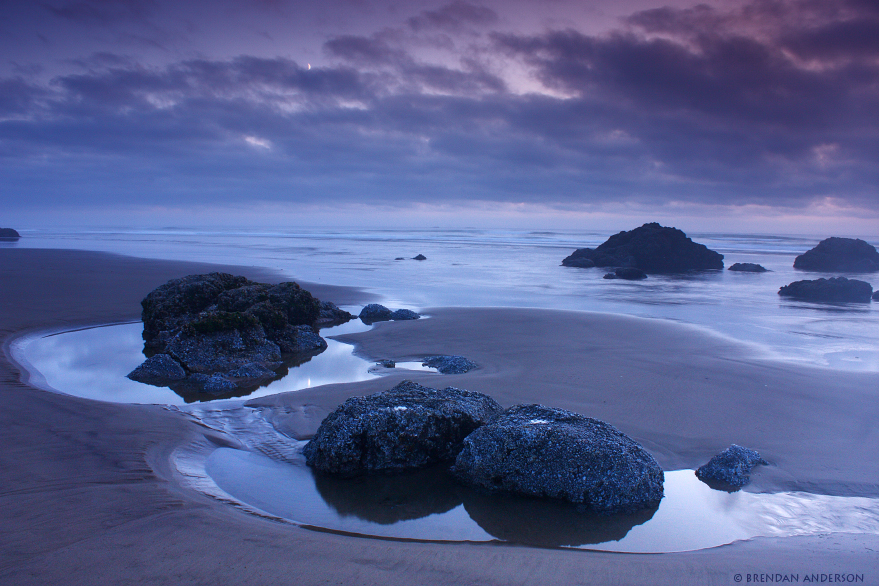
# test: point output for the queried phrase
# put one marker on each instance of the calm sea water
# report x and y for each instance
(522, 269)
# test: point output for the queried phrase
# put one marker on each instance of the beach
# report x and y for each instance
(89, 494)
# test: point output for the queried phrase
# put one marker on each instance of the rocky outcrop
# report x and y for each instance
(876, 296)
(539, 451)
(747, 267)
(651, 248)
(375, 312)
(846, 255)
(834, 290)
(228, 333)
(627, 273)
(419, 257)
(449, 364)
(9, 234)
(407, 427)
(731, 467)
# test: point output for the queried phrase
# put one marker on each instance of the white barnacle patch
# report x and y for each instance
(538, 421)
(401, 408)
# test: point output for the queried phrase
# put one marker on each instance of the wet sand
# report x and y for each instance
(88, 495)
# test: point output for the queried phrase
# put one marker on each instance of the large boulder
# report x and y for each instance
(651, 248)
(847, 255)
(227, 332)
(834, 290)
(747, 267)
(9, 234)
(731, 467)
(539, 451)
(405, 428)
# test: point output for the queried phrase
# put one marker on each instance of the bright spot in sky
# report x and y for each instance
(309, 65)
(258, 142)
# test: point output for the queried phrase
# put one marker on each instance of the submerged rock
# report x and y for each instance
(226, 332)
(731, 466)
(159, 370)
(375, 312)
(747, 267)
(449, 364)
(848, 255)
(9, 234)
(835, 289)
(539, 451)
(627, 273)
(651, 248)
(407, 427)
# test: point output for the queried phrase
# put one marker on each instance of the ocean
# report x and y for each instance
(520, 268)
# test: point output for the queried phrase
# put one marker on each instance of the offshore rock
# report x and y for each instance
(651, 248)
(405, 428)
(876, 296)
(159, 370)
(9, 234)
(419, 257)
(731, 466)
(627, 273)
(847, 255)
(449, 364)
(539, 451)
(747, 267)
(835, 289)
(375, 312)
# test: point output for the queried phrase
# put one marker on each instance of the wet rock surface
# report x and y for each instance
(405, 428)
(449, 364)
(846, 255)
(834, 290)
(731, 467)
(747, 267)
(538, 451)
(375, 312)
(651, 248)
(627, 273)
(228, 333)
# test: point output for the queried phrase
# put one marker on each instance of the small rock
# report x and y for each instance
(732, 466)
(375, 312)
(387, 363)
(419, 257)
(405, 428)
(627, 273)
(158, 370)
(400, 258)
(835, 289)
(404, 314)
(539, 451)
(449, 364)
(876, 296)
(330, 314)
(747, 267)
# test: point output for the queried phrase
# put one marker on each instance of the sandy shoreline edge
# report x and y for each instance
(89, 497)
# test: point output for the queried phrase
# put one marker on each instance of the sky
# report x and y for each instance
(745, 115)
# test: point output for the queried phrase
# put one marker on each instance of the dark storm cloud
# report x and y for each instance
(772, 103)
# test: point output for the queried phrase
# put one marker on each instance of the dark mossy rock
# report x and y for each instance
(375, 312)
(221, 351)
(747, 267)
(449, 364)
(387, 363)
(9, 234)
(651, 248)
(331, 315)
(846, 255)
(833, 290)
(627, 273)
(419, 257)
(159, 370)
(405, 428)
(538, 451)
(732, 467)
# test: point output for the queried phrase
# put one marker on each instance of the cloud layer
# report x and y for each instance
(770, 103)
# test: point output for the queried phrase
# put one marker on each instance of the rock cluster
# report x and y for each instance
(731, 466)
(225, 332)
(747, 267)
(408, 427)
(375, 312)
(834, 290)
(538, 451)
(847, 255)
(651, 248)
(9, 234)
